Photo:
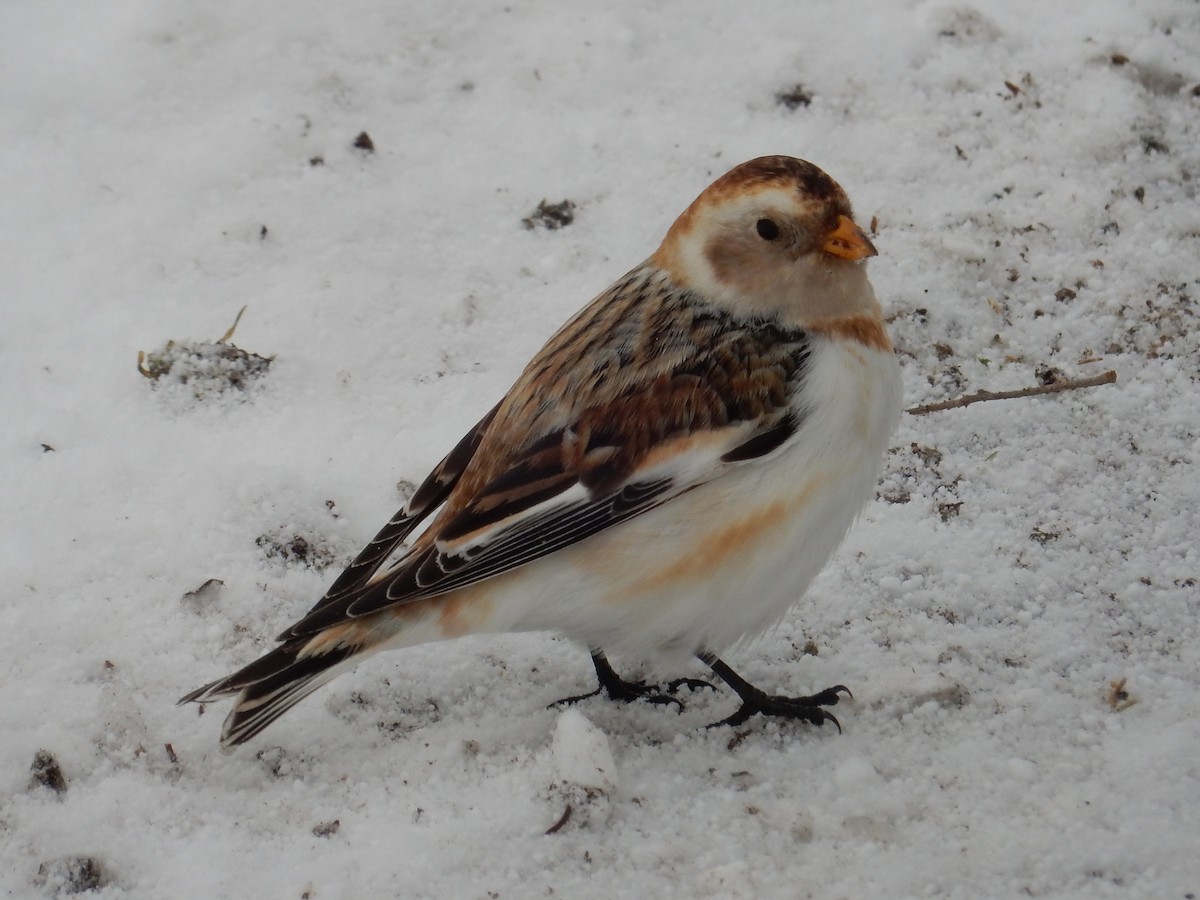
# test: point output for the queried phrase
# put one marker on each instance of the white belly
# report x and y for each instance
(723, 562)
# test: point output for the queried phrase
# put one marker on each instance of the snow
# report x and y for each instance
(1032, 168)
(584, 772)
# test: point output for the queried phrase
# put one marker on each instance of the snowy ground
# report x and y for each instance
(1033, 171)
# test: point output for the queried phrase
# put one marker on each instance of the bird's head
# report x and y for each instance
(773, 237)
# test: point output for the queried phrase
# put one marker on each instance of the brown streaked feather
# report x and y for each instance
(686, 369)
(428, 497)
(645, 372)
(432, 573)
(756, 175)
(642, 362)
(688, 375)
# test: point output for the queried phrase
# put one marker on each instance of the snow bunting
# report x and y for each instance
(669, 473)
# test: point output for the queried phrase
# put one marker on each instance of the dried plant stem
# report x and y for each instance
(1107, 378)
(232, 328)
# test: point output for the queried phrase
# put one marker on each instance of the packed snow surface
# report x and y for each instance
(382, 184)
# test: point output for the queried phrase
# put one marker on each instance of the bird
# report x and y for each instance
(664, 479)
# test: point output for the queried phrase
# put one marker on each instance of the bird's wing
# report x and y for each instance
(723, 401)
(427, 498)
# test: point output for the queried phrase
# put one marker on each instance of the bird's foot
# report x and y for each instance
(807, 709)
(617, 688)
(625, 692)
(759, 702)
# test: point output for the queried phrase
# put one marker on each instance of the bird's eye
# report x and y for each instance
(767, 230)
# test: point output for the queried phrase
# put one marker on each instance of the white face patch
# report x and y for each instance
(723, 252)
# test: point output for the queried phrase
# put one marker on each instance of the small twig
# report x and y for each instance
(557, 826)
(1107, 378)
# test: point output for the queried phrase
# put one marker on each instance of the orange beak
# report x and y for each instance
(848, 241)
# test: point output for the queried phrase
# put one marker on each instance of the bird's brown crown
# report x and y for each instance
(773, 237)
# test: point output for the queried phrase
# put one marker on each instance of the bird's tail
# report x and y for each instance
(271, 685)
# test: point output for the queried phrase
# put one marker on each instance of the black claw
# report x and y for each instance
(663, 700)
(692, 684)
(617, 688)
(796, 708)
(569, 701)
(628, 692)
(829, 696)
(736, 719)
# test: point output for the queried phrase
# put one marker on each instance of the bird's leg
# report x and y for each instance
(757, 701)
(618, 688)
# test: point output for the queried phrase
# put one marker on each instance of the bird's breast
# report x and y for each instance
(726, 560)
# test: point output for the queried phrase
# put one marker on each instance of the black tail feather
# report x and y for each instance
(270, 686)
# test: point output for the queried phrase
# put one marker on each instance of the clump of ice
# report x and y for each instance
(585, 775)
